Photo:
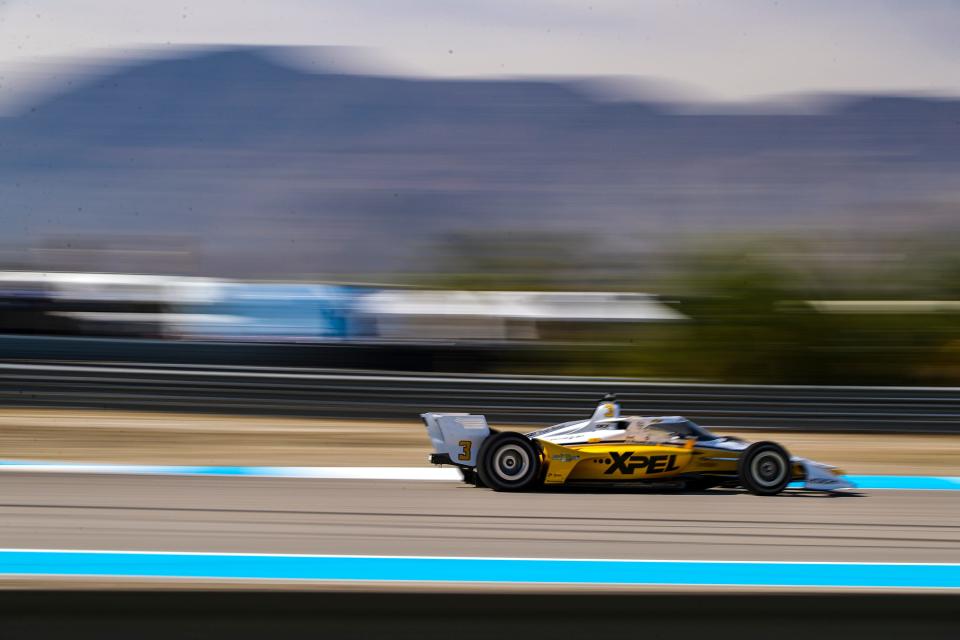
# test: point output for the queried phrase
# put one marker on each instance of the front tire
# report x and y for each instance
(509, 462)
(764, 469)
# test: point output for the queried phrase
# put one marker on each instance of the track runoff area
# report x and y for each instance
(446, 569)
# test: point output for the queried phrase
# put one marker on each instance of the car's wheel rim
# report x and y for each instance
(768, 469)
(511, 462)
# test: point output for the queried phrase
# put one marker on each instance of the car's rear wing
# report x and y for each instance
(456, 437)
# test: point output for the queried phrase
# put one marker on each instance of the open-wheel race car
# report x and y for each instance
(666, 452)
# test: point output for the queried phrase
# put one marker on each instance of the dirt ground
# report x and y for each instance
(170, 438)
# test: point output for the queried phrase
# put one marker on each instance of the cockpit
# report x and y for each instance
(646, 430)
(639, 429)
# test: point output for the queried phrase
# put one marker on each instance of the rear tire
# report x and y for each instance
(509, 462)
(765, 469)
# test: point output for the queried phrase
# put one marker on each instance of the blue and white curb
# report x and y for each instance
(327, 473)
(328, 568)
(924, 483)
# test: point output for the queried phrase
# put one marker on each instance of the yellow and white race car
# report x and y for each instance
(607, 448)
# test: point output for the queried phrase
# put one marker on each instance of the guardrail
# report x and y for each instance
(508, 400)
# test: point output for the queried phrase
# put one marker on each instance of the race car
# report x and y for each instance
(660, 452)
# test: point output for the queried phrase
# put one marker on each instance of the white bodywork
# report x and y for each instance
(450, 432)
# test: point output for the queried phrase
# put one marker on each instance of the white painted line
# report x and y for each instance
(327, 473)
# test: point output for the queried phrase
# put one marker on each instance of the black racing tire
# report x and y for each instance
(509, 462)
(765, 469)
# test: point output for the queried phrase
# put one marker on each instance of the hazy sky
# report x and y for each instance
(728, 49)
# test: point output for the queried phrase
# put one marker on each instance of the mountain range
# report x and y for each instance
(230, 162)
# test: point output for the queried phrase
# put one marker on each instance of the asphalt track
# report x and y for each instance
(412, 518)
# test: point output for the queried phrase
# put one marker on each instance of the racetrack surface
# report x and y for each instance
(267, 515)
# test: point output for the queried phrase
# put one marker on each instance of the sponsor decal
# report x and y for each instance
(627, 463)
(564, 457)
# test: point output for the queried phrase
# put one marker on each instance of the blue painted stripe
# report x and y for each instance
(901, 483)
(480, 570)
(926, 483)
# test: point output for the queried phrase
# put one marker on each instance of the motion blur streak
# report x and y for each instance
(506, 399)
(406, 518)
(496, 570)
(801, 241)
(220, 259)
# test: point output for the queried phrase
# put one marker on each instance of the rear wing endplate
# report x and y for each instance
(459, 435)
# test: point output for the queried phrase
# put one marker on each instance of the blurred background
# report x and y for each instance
(746, 192)
(243, 234)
